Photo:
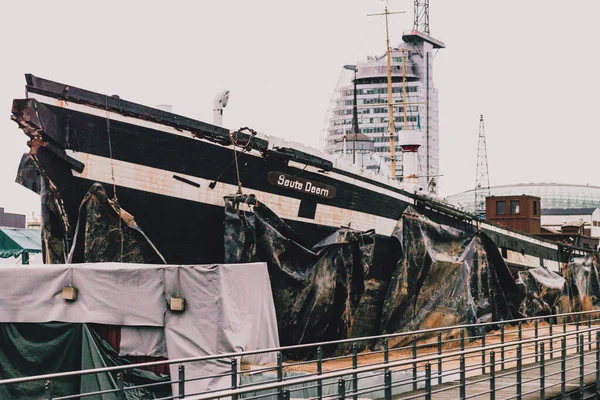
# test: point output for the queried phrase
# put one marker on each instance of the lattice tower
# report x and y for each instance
(482, 181)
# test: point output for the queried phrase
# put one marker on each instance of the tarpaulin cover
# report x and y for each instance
(16, 241)
(543, 289)
(34, 349)
(583, 284)
(54, 237)
(108, 293)
(229, 308)
(445, 277)
(315, 291)
(106, 232)
(96, 353)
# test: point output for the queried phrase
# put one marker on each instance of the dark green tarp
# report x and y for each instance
(35, 349)
(16, 241)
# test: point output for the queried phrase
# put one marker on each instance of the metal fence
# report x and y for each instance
(557, 352)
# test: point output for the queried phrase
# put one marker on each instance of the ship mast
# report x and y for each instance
(392, 128)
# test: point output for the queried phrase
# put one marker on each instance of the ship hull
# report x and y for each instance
(172, 174)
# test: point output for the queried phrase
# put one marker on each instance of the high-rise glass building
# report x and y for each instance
(415, 53)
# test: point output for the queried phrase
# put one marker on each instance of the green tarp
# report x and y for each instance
(16, 241)
(35, 349)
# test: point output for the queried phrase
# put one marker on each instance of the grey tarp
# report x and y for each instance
(445, 277)
(108, 293)
(315, 291)
(229, 308)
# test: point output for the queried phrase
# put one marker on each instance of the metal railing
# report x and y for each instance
(418, 365)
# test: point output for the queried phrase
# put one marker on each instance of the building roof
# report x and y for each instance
(16, 241)
(569, 211)
(552, 195)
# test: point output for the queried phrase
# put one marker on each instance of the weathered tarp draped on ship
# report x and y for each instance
(315, 291)
(107, 233)
(34, 349)
(583, 283)
(445, 277)
(543, 290)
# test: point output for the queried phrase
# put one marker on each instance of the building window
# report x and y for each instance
(515, 207)
(500, 207)
(535, 210)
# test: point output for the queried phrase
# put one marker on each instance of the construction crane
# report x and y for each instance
(482, 179)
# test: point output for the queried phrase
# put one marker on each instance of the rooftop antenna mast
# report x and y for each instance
(482, 182)
(421, 23)
(392, 128)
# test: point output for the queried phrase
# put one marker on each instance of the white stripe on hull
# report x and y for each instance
(159, 181)
(286, 207)
(187, 134)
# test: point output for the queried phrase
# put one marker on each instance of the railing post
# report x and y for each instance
(492, 375)
(286, 394)
(354, 376)
(181, 371)
(388, 385)
(120, 386)
(590, 331)
(483, 353)
(563, 366)
(386, 352)
(597, 364)
(520, 331)
(581, 366)
(502, 348)
(535, 332)
(542, 371)
(577, 329)
(551, 340)
(462, 377)
(414, 364)
(319, 372)
(234, 376)
(519, 372)
(48, 389)
(427, 381)
(341, 389)
(439, 360)
(280, 374)
(462, 339)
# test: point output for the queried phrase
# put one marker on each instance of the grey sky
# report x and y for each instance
(530, 66)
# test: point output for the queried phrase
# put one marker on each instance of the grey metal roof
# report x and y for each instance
(569, 211)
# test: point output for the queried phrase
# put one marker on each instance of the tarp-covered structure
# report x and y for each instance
(583, 283)
(229, 308)
(14, 242)
(446, 277)
(316, 291)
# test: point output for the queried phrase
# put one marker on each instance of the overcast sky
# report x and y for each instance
(530, 66)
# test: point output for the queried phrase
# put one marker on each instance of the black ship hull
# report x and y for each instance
(172, 174)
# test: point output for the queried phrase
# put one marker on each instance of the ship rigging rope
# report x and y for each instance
(233, 137)
(112, 174)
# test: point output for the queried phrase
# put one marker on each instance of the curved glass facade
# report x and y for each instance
(552, 195)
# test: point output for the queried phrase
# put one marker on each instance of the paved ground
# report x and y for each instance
(478, 386)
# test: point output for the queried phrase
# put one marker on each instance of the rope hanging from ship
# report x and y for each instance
(115, 200)
(233, 137)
